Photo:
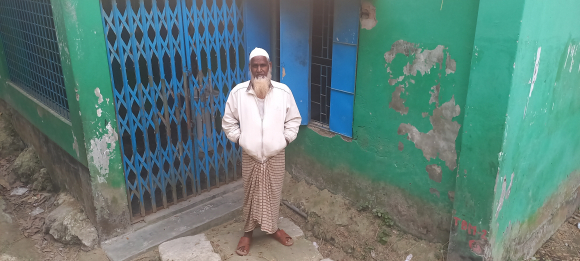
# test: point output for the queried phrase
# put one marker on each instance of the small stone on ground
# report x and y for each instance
(188, 248)
(68, 224)
(26, 165)
(18, 191)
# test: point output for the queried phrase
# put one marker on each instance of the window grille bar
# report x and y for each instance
(31, 49)
(321, 60)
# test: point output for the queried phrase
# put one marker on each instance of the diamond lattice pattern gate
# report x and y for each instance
(172, 65)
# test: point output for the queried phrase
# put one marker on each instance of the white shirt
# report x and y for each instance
(260, 107)
(261, 135)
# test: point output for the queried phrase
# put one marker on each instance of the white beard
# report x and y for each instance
(261, 84)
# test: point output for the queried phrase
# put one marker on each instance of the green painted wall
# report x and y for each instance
(518, 174)
(69, 82)
(495, 45)
(371, 167)
(539, 163)
(88, 73)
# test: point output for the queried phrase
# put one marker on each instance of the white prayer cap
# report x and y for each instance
(259, 52)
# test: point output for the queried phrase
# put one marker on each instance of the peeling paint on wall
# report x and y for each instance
(99, 112)
(451, 195)
(434, 192)
(100, 150)
(397, 103)
(505, 193)
(534, 77)
(99, 95)
(571, 53)
(322, 132)
(435, 172)
(75, 144)
(400, 46)
(450, 65)
(401, 146)
(368, 17)
(395, 80)
(481, 248)
(39, 111)
(424, 61)
(435, 95)
(441, 139)
(510, 187)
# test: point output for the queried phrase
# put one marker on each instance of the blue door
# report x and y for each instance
(172, 64)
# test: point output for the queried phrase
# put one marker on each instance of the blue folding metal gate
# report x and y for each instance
(172, 65)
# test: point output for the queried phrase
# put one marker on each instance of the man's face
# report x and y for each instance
(260, 66)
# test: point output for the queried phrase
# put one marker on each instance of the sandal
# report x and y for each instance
(283, 238)
(243, 246)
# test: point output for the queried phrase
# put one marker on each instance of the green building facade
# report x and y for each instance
(464, 117)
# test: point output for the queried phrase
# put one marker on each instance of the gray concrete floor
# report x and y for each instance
(225, 240)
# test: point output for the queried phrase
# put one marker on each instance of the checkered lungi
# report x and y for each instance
(262, 191)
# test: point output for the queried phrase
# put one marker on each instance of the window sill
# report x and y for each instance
(324, 130)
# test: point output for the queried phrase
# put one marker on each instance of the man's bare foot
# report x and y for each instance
(283, 238)
(244, 244)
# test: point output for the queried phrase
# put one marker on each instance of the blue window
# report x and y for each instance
(344, 57)
(321, 60)
(318, 55)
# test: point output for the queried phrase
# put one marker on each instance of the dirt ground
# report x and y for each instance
(28, 228)
(564, 244)
(26, 240)
(344, 232)
(21, 235)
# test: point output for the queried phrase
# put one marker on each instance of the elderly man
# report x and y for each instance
(261, 115)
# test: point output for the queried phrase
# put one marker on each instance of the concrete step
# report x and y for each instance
(190, 221)
(188, 204)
